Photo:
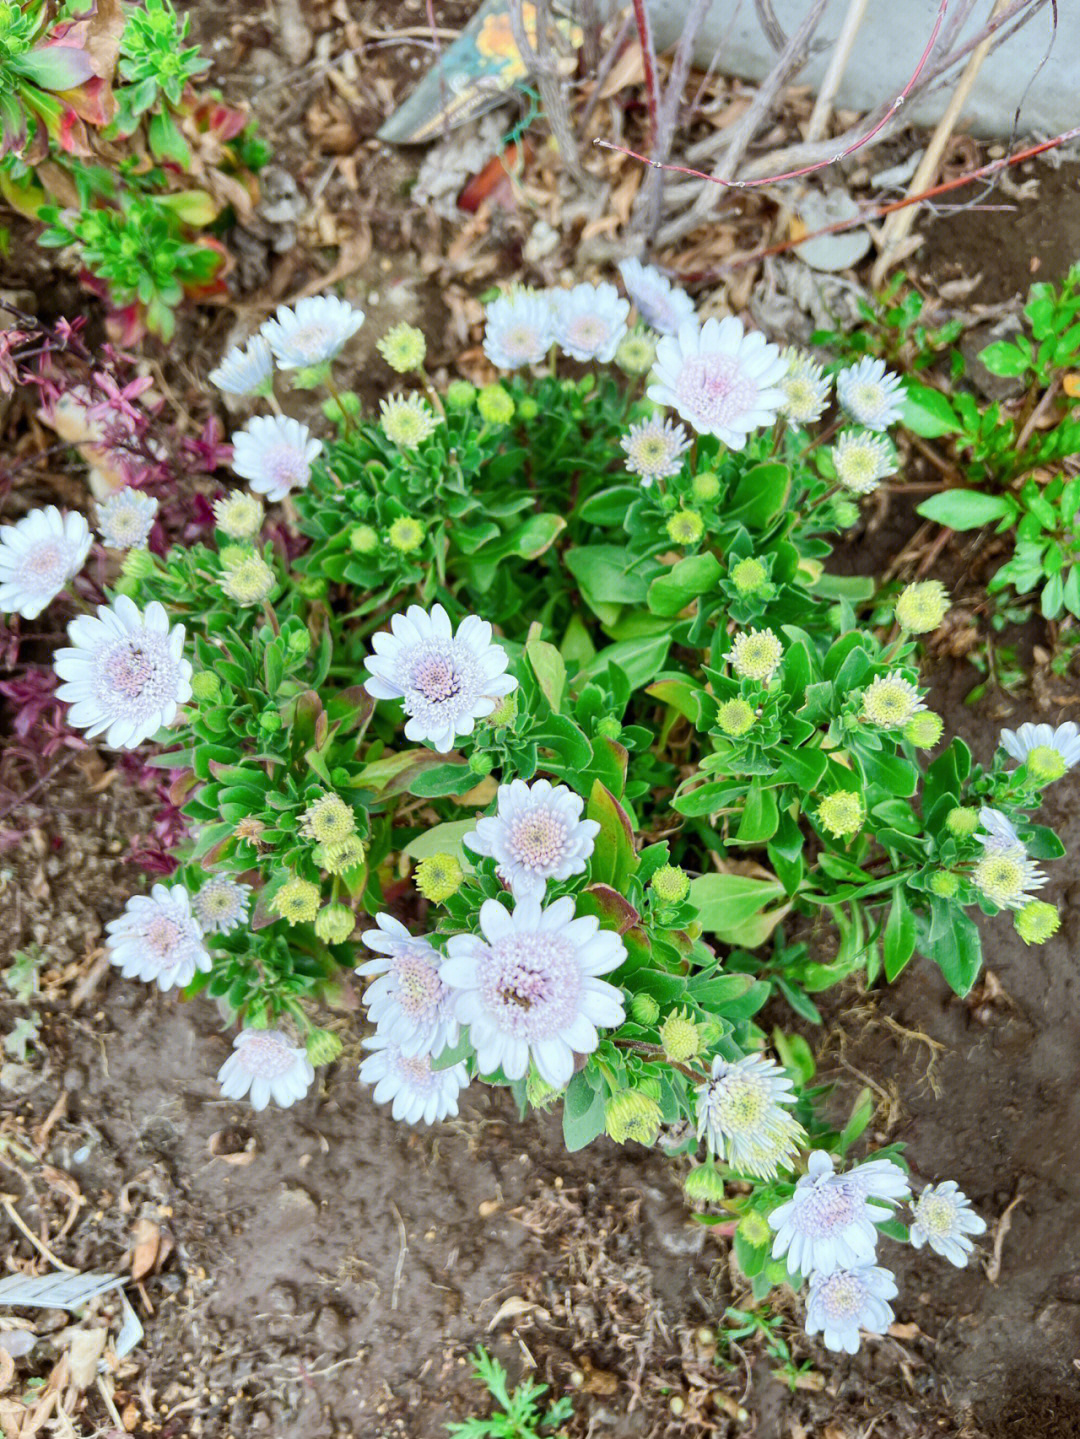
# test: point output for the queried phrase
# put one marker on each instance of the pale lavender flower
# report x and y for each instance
(265, 1064)
(158, 939)
(659, 303)
(447, 681)
(741, 1116)
(536, 834)
(1047, 752)
(126, 518)
(829, 1222)
(246, 370)
(589, 321)
(518, 329)
(314, 331)
(721, 381)
(408, 1003)
(418, 1091)
(1000, 831)
(844, 1301)
(221, 905)
(943, 1218)
(39, 554)
(275, 455)
(872, 395)
(527, 987)
(125, 676)
(654, 449)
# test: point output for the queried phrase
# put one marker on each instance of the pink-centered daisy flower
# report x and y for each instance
(39, 554)
(536, 834)
(659, 303)
(589, 321)
(416, 1090)
(517, 329)
(408, 1003)
(275, 454)
(158, 939)
(265, 1065)
(125, 673)
(527, 986)
(446, 680)
(313, 332)
(720, 380)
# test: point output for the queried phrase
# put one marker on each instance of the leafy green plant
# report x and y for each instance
(519, 1415)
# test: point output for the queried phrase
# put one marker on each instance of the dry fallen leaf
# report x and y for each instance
(514, 1308)
(87, 1347)
(146, 1240)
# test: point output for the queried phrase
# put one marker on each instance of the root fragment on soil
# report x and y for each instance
(1004, 1224)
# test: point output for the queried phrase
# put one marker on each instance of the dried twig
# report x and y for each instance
(648, 59)
(838, 62)
(652, 194)
(542, 66)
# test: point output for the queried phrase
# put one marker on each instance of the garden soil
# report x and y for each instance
(324, 1272)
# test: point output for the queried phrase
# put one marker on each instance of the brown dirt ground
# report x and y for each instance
(326, 1269)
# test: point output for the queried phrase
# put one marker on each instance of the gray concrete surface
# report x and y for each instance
(890, 42)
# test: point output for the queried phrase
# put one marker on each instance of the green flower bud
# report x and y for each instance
(323, 1046)
(270, 721)
(403, 348)
(704, 1184)
(922, 606)
(670, 884)
(924, 729)
(749, 576)
(705, 487)
(679, 1037)
(735, 718)
(962, 823)
(1037, 921)
(841, 813)
(539, 1093)
(310, 377)
(297, 901)
(944, 883)
(686, 527)
(313, 587)
(846, 513)
(1044, 764)
(776, 1272)
(527, 408)
(205, 687)
(644, 1010)
(299, 642)
(233, 555)
(636, 353)
(334, 923)
(406, 534)
(632, 1115)
(609, 727)
(495, 405)
(711, 1031)
(754, 1229)
(438, 877)
(327, 820)
(363, 539)
(481, 764)
(460, 395)
(340, 777)
(340, 855)
(668, 501)
(503, 713)
(139, 565)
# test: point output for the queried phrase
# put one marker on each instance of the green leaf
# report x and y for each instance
(967, 509)
(537, 534)
(684, 582)
(613, 859)
(583, 1113)
(862, 1111)
(444, 839)
(714, 994)
(899, 935)
(602, 575)
(955, 947)
(548, 666)
(928, 413)
(1001, 358)
(761, 496)
(760, 817)
(443, 779)
(639, 659)
(806, 767)
(725, 901)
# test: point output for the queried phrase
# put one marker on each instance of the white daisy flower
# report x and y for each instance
(1047, 752)
(447, 681)
(266, 1064)
(862, 461)
(239, 515)
(125, 674)
(871, 394)
(409, 1003)
(418, 1091)
(829, 1222)
(589, 321)
(275, 455)
(314, 331)
(806, 388)
(740, 1115)
(221, 904)
(844, 1301)
(407, 420)
(518, 329)
(890, 701)
(157, 938)
(721, 381)
(126, 518)
(654, 449)
(527, 987)
(1007, 876)
(756, 654)
(536, 834)
(1000, 831)
(246, 370)
(943, 1218)
(39, 554)
(659, 303)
